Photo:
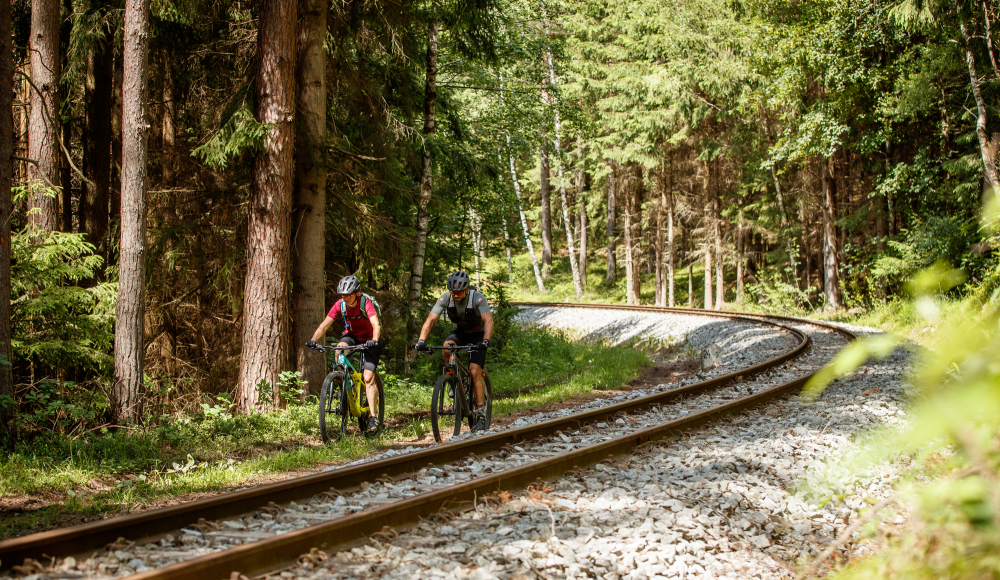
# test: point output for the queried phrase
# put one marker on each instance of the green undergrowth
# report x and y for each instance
(104, 471)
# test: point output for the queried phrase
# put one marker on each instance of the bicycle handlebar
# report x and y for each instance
(323, 348)
(455, 347)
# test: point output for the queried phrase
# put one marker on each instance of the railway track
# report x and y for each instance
(328, 519)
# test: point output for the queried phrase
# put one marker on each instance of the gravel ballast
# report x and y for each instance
(728, 501)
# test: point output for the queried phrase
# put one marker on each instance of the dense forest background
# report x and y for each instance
(189, 179)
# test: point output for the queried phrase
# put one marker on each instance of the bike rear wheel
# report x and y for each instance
(438, 395)
(331, 399)
(379, 413)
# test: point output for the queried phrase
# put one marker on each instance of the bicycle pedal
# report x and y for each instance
(452, 412)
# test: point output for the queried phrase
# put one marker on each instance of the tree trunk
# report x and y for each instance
(691, 285)
(66, 180)
(115, 192)
(669, 193)
(659, 273)
(739, 265)
(97, 147)
(720, 293)
(709, 214)
(524, 223)
(573, 265)
(582, 190)
(65, 172)
(612, 270)
(987, 146)
(309, 206)
(633, 233)
(43, 123)
(477, 240)
(6, 177)
(167, 214)
(127, 390)
(546, 210)
(831, 262)
(426, 181)
(265, 296)
(630, 265)
(510, 264)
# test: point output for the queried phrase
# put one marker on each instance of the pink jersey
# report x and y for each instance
(358, 325)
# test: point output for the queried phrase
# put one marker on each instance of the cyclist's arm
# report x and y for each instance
(487, 325)
(376, 327)
(323, 327)
(425, 331)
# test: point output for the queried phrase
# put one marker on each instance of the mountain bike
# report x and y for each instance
(341, 395)
(456, 383)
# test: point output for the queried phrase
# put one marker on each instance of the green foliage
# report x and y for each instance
(239, 135)
(953, 433)
(56, 321)
(774, 294)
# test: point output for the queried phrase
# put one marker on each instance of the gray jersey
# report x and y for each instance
(466, 313)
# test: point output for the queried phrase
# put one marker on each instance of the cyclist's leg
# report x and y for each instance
(369, 362)
(477, 360)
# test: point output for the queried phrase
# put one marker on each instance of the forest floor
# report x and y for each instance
(60, 482)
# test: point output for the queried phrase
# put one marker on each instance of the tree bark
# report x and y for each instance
(524, 223)
(426, 181)
(127, 389)
(987, 146)
(831, 262)
(6, 179)
(309, 217)
(97, 146)
(65, 179)
(989, 40)
(510, 264)
(582, 190)
(43, 123)
(633, 233)
(709, 214)
(66, 125)
(573, 265)
(543, 161)
(659, 273)
(739, 264)
(612, 263)
(669, 194)
(708, 276)
(167, 213)
(265, 296)
(115, 192)
(720, 292)
(691, 285)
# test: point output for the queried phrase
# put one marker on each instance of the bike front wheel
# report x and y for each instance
(330, 400)
(444, 384)
(380, 410)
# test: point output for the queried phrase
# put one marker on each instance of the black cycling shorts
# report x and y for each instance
(477, 357)
(370, 356)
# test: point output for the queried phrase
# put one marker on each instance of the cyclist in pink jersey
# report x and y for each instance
(361, 327)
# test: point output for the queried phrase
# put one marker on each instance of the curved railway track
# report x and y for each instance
(343, 529)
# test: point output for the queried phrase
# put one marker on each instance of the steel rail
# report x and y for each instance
(266, 555)
(81, 539)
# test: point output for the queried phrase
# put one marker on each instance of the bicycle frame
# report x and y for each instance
(353, 386)
(463, 376)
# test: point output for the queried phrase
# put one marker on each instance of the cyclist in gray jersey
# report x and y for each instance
(468, 309)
